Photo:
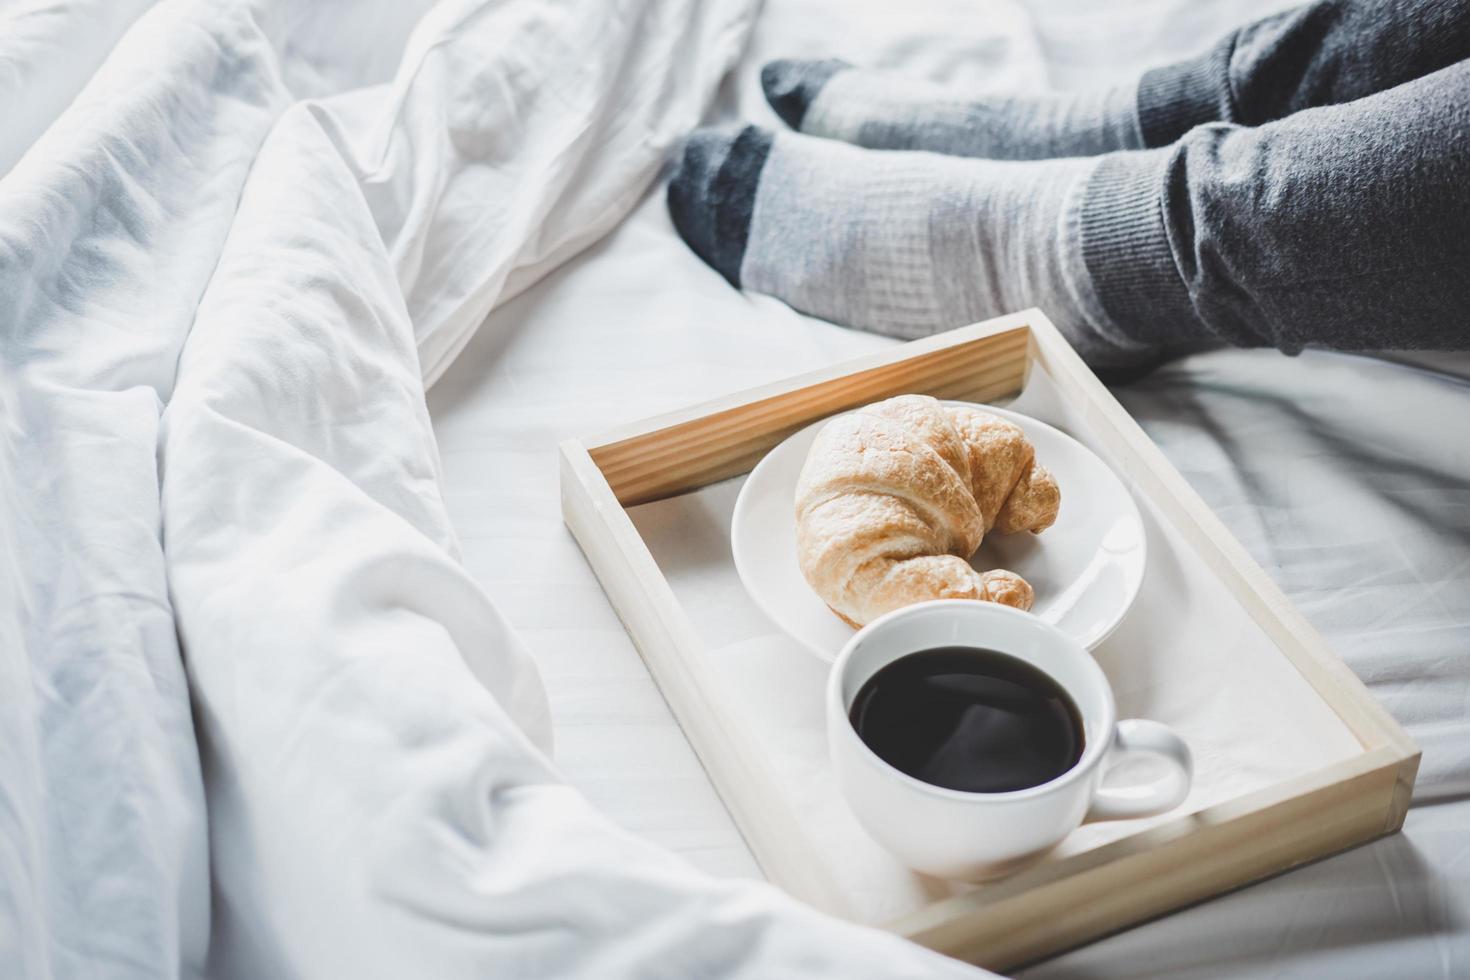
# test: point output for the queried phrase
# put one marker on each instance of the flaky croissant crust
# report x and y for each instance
(895, 497)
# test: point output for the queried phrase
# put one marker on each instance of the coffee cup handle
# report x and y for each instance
(1157, 796)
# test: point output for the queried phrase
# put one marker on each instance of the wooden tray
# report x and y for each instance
(1138, 874)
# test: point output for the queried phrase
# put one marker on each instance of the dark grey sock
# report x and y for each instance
(891, 112)
(791, 86)
(712, 194)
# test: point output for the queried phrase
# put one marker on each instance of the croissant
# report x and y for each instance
(895, 497)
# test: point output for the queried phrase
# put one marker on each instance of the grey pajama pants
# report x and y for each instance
(1311, 185)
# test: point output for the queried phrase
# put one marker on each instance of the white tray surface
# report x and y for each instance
(1188, 655)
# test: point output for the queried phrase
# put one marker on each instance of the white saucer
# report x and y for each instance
(1086, 568)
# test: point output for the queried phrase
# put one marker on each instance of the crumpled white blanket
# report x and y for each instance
(255, 719)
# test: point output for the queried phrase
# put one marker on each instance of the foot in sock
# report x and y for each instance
(904, 244)
(890, 112)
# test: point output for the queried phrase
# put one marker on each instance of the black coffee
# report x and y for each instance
(969, 719)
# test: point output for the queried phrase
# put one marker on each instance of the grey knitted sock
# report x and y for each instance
(891, 112)
(903, 244)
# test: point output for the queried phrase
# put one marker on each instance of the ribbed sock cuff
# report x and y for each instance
(1174, 99)
(1125, 249)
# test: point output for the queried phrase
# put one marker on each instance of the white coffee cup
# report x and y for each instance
(975, 836)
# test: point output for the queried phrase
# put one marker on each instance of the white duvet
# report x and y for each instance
(255, 718)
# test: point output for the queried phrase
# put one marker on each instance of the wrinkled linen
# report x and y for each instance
(257, 719)
(1344, 476)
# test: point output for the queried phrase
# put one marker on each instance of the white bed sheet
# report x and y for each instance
(1345, 476)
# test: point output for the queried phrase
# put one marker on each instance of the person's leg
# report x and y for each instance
(1345, 226)
(1325, 53)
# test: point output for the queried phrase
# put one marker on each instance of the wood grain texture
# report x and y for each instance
(1058, 905)
(725, 437)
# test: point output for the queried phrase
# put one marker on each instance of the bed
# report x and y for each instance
(1314, 462)
(284, 651)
